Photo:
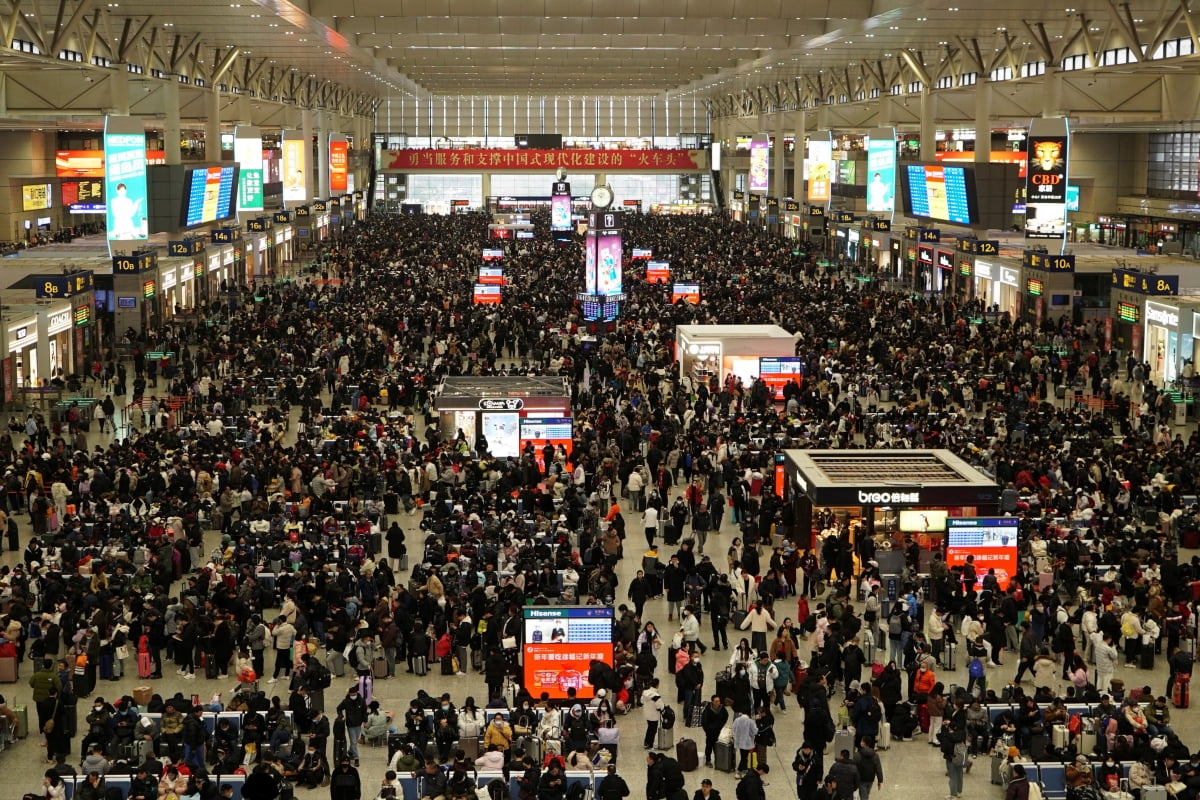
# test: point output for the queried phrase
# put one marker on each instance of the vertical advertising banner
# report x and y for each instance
(339, 164)
(881, 171)
(609, 267)
(818, 168)
(560, 206)
(295, 167)
(125, 180)
(760, 157)
(1046, 179)
(248, 153)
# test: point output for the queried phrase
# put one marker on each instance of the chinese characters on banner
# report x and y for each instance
(631, 160)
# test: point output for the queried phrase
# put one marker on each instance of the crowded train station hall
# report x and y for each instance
(376, 375)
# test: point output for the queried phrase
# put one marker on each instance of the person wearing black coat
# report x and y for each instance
(261, 784)
(891, 688)
(712, 722)
(612, 786)
(344, 782)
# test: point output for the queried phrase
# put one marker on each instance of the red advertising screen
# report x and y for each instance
(486, 294)
(540, 430)
(658, 272)
(991, 540)
(778, 372)
(559, 645)
(339, 165)
(492, 276)
(688, 292)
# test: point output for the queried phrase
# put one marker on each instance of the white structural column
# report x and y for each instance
(779, 186)
(172, 130)
(118, 91)
(928, 124)
(983, 122)
(212, 125)
(306, 130)
(1052, 90)
(323, 129)
(800, 128)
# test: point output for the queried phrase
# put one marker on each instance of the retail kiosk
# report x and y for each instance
(707, 350)
(887, 493)
(509, 411)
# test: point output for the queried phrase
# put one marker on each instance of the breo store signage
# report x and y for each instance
(886, 498)
(501, 404)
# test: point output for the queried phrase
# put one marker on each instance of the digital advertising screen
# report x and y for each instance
(560, 206)
(125, 179)
(926, 520)
(36, 196)
(295, 168)
(492, 276)
(83, 197)
(640, 253)
(493, 254)
(339, 164)
(540, 430)
(524, 234)
(609, 268)
(1046, 186)
(486, 294)
(778, 371)
(248, 153)
(942, 193)
(658, 272)
(589, 265)
(818, 169)
(560, 644)
(881, 170)
(685, 292)
(760, 155)
(991, 540)
(209, 195)
(503, 433)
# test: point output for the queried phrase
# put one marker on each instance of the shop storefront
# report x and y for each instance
(884, 493)
(966, 251)
(1048, 285)
(1163, 325)
(42, 342)
(705, 351)
(509, 412)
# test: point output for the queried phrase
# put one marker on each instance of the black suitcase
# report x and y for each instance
(670, 534)
(724, 757)
(1146, 657)
(391, 503)
(686, 755)
(447, 665)
(339, 740)
(1037, 747)
(210, 668)
(376, 545)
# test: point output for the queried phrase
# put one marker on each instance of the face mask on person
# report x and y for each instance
(445, 708)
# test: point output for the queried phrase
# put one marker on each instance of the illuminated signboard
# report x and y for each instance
(83, 314)
(559, 645)
(1048, 262)
(1129, 312)
(148, 289)
(991, 540)
(36, 197)
(1034, 287)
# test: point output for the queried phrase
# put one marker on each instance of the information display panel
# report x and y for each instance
(560, 644)
(991, 540)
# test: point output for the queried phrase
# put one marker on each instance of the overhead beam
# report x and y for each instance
(918, 67)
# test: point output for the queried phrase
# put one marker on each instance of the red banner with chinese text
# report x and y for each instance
(502, 160)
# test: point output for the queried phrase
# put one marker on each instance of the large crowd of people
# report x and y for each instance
(308, 437)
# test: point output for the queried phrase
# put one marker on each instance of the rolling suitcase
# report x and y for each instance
(8, 670)
(923, 717)
(106, 668)
(1037, 747)
(671, 535)
(210, 667)
(843, 740)
(1180, 692)
(470, 747)
(997, 760)
(1087, 742)
(1146, 656)
(884, 740)
(685, 754)
(447, 665)
(22, 713)
(145, 665)
(724, 758)
(948, 656)
(420, 665)
(1059, 737)
(379, 668)
(868, 648)
(1154, 793)
(665, 739)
